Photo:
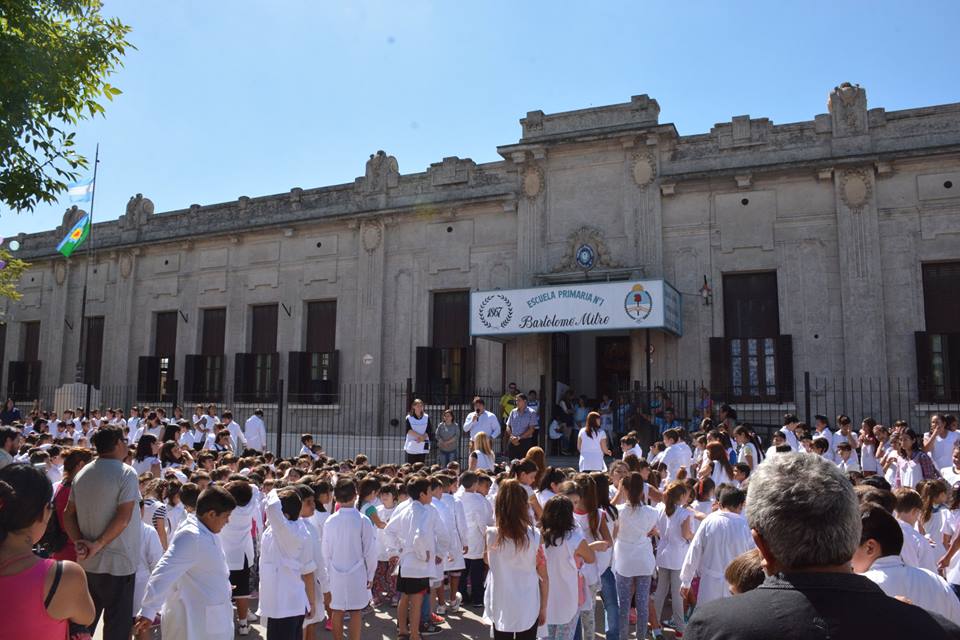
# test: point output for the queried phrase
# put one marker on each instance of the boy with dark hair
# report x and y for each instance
(191, 582)
(287, 568)
(307, 449)
(349, 549)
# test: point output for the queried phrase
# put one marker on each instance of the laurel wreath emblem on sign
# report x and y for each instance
(495, 311)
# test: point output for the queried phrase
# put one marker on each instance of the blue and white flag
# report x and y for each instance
(80, 191)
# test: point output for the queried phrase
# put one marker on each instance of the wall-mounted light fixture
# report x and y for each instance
(706, 293)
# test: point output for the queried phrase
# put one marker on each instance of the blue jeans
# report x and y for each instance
(611, 604)
(446, 457)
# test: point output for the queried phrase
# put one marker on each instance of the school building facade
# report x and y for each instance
(829, 247)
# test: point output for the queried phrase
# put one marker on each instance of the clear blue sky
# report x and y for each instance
(234, 97)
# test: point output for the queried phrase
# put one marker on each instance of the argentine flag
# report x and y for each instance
(80, 191)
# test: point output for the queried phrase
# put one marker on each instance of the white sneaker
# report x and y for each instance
(243, 628)
(441, 609)
(454, 606)
(251, 616)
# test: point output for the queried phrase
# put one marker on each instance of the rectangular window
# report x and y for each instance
(313, 374)
(93, 352)
(263, 333)
(938, 348)
(214, 331)
(752, 362)
(445, 368)
(165, 348)
(31, 341)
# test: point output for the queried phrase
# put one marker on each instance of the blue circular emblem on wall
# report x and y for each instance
(586, 257)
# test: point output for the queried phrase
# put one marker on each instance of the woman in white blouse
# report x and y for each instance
(419, 433)
(592, 444)
(716, 465)
(515, 600)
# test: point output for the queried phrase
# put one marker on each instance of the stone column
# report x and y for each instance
(370, 290)
(53, 328)
(645, 221)
(118, 326)
(861, 278)
(531, 210)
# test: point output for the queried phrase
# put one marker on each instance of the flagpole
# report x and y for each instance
(81, 357)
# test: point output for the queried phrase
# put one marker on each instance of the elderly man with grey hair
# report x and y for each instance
(804, 517)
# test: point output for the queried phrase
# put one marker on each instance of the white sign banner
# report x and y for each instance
(640, 304)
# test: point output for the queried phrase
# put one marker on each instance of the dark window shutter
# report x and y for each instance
(148, 379)
(274, 376)
(468, 359)
(422, 381)
(298, 368)
(952, 350)
(785, 391)
(925, 390)
(17, 380)
(214, 332)
(192, 374)
(263, 335)
(719, 369)
(321, 326)
(242, 375)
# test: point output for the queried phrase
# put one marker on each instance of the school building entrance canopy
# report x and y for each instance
(638, 304)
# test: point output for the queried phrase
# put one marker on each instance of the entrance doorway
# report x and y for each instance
(613, 363)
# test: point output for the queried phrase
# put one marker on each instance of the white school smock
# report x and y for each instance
(350, 550)
(384, 514)
(672, 548)
(511, 602)
(255, 432)
(720, 538)
(543, 496)
(479, 515)
(591, 572)
(563, 597)
(237, 536)
(632, 548)
(484, 461)
(190, 587)
(924, 588)
(457, 532)
(916, 550)
(284, 557)
(142, 466)
(868, 458)
(675, 458)
(591, 454)
(942, 453)
(320, 580)
(446, 526)
(635, 450)
(411, 445)
(150, 553)
(410, 533)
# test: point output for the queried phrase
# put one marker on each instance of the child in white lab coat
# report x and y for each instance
(411, 536)
(308, 509)
(191, 582)
(479, 515)
(150, 553)
(384, 587)
(237, 540)
(455, 563)
(350, 550)
(287, 582)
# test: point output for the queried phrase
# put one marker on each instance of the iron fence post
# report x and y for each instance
(806, 397)
(280, 403)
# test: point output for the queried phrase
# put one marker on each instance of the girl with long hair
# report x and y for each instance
(593, 522)
(566, 550)
(549, 486)
(913, 464)
(539, 458)
(633, 560)
(869, 446)
(145, 459)
(608, 581)
(482, 458)
(592, 444)
(716, 465)
(933, 513)
(748, 450)
(517, 584)
(675, 524)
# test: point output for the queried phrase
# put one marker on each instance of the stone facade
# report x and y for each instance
(844, 207)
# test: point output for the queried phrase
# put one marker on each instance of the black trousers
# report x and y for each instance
(519, 451)
(529, 634)
(285, 628)
(476, 572)
(112, 598)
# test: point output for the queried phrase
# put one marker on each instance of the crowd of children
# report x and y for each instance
(649, 536)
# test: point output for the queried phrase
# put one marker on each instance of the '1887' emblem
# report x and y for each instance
(495, 311)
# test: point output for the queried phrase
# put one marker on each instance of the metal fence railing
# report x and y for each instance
(368, 418)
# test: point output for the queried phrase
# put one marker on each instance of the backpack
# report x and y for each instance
(54, 538)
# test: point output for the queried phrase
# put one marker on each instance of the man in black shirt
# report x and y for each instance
(805, 520)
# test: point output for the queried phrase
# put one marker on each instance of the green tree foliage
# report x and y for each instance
(10, 271)
(55, 57)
